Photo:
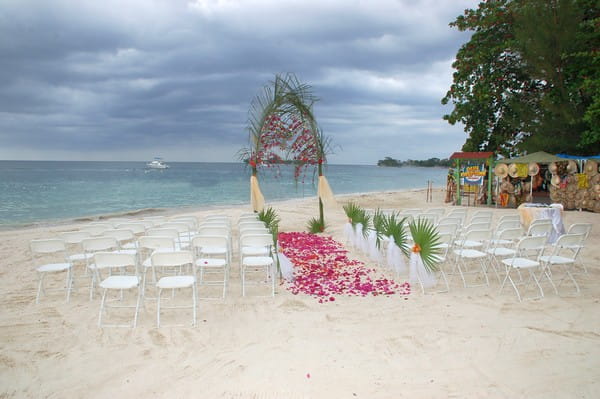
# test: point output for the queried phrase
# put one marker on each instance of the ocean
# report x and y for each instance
(33, 192)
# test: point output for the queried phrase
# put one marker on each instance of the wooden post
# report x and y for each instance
(490, 164)
(457, 179)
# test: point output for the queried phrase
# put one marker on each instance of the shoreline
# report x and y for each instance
(171, 211)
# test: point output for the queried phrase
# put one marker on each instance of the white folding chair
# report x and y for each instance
(540, 227)
(121, 282)
(585, 229)
(50, 256)
(73, 241)
(125, 238)
(256, 258)
(502, 246)
(565, 252)
(218, 230)
(527, 257)
(184, 229)
(512, 217)
(173, 233)
(147, 246)
(90, 247)
(465, 253)
(211, 257)
(175, 263)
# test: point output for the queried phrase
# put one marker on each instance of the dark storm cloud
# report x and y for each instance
(126, 78)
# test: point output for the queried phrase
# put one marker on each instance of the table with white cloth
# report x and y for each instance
(530, 212)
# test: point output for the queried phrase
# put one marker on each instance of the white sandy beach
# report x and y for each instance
(468, 343)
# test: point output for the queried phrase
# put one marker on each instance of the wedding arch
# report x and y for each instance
(282, 128)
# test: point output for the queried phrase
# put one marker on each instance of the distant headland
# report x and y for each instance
(391, 162)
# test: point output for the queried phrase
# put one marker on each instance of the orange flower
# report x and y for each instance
(416, 248)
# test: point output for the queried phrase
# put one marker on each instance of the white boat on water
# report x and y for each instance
(157, 163)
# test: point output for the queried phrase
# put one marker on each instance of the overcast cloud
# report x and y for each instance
(130, 80)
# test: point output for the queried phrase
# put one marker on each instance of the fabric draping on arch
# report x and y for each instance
(324, 192)
(256, 198)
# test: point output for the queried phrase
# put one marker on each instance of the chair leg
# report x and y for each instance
(40, 288)
(69, 283)
(158, 308)
(194, 305)
(137, 306)
(102, 304)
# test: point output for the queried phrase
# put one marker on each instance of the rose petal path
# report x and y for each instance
(322, 269)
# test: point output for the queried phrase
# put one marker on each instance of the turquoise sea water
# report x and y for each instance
(47, 191)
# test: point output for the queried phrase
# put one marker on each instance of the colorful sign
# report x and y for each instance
(472, 175)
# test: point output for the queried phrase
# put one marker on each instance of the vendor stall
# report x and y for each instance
(473, 177)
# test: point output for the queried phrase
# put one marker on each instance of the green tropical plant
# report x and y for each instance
(378, 226)
(315, 225)
(394, 227)
(427, 242)
(270, 218)
(356, 215)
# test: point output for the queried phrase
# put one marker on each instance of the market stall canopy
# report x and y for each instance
(537, 157)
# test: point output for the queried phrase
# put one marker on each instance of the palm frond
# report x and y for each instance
(425, 235)
(394, 228)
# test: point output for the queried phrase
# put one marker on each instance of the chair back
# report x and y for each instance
(135, 227)
(214, 231)
(157, 231)
(512, 234)
(531, 246)
(570, 240)
(97, 229)
(157, 242)
(539, 229)
(256, 240)
(170, 259)
(580, 228)
(114, 260)
(447, 229)
(509, 217)
(47, 246)
(201, 241)
(74, 237)
(481, 219)
(181, 227)
(508, 224)
(99, 244)
(121, 235)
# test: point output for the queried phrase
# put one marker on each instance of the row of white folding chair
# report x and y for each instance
(212, 253)
(180, 267)
(529, 256)
(181, 275)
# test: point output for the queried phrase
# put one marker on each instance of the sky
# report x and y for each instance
(134, 79)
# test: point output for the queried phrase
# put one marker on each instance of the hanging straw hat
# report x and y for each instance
(555, 181)
(501, 170)
(552, 168)
(512, 170)
(591, 168)
(572, 167)
(533, 169)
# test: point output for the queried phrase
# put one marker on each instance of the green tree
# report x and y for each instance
(518, 83)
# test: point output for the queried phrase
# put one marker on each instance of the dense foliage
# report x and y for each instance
(529, 78)
(424, 163)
